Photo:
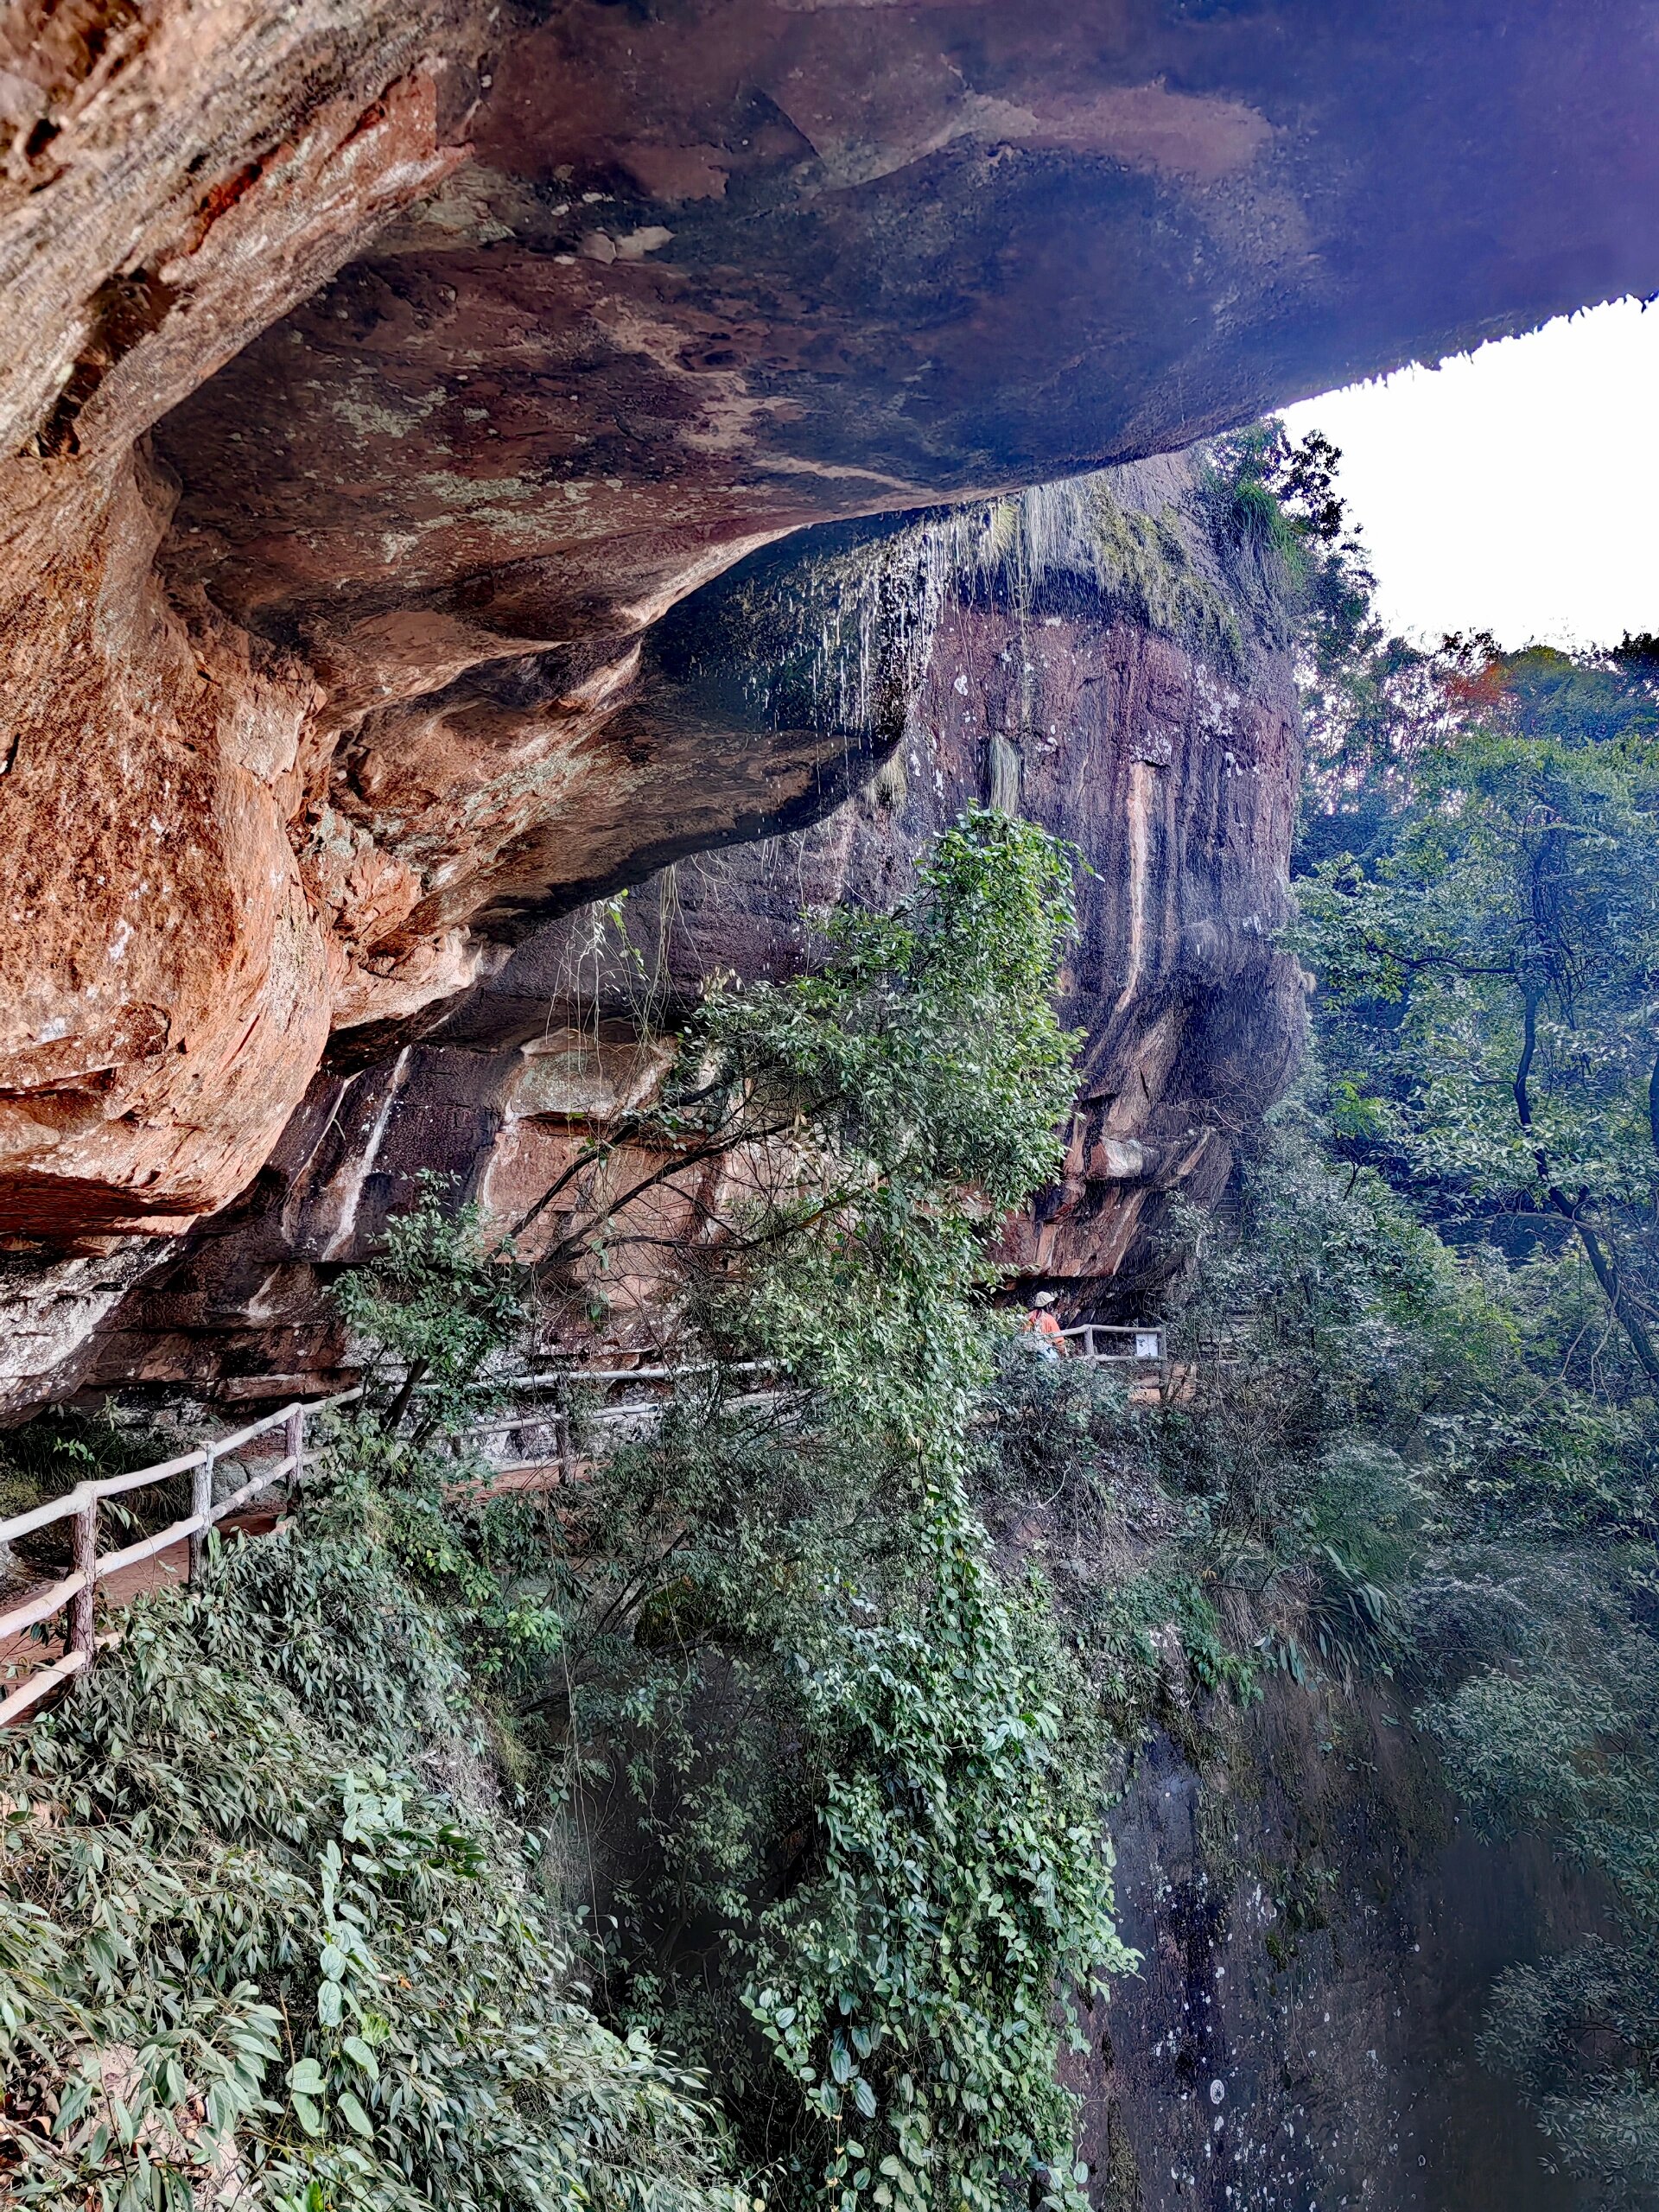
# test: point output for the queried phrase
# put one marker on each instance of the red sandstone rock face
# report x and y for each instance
(176, 178)
(1168, 766)
(1168, 760)
(380, 379)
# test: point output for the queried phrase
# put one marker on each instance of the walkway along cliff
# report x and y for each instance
(389, 376)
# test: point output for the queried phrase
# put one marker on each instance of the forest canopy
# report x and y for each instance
(1478, 888)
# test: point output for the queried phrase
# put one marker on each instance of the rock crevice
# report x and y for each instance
(385, 380)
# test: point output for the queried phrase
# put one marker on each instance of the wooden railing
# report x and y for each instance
(1106, 1343)
(563, 1424)
(77, 1591)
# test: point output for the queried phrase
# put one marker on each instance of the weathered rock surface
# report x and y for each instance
(1106, 656)
(1145, 714)
(175, 178)
(1320, 1934)
(378, 378)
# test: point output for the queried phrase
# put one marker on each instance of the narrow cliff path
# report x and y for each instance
(48, 1630)
(28, 1652)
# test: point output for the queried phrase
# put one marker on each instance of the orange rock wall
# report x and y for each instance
(381, 382)
(1171, 765)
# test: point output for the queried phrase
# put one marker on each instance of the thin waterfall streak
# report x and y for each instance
(1140, 859)
(874, 614)
(353, 1197)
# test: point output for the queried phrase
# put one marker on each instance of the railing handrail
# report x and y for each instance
(1086, 1332)
(74, 1501)
(554, 1378)
(77, 1589)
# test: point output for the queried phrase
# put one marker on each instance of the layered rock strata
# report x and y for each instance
(380, 377)
(1107, 656)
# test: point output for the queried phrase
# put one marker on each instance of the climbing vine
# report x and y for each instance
(839, 1765)
(910, 1988)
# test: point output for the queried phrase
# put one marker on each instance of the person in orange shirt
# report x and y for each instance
(1041, 1332)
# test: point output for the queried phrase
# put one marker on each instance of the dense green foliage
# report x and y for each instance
(1480, 907)
(848, 1853)
(757, 1724)
(251, 1938)
(857, 1770)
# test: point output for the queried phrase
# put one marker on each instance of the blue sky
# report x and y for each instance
(1515, 489)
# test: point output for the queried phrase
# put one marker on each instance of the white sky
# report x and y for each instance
(1515, 489)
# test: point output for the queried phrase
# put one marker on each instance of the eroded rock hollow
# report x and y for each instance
(1103, 655)
(381, 380)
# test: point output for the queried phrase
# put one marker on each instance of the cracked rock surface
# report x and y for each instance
(386, 386)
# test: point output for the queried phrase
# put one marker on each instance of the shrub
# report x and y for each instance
(250, 1945)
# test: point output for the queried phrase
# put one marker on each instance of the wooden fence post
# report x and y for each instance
(201, 1503)
(295, 1443)
(80, 1605)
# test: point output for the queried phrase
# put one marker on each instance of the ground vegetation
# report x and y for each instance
(759, 1736)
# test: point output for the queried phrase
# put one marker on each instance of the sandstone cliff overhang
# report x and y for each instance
(380, 378)
(1107, 657)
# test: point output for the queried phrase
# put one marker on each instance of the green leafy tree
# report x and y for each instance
(1491, 982)
(886, 1102)
(836, 1766)
(433, 1312)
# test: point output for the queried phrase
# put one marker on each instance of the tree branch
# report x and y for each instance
(1529, 1047)
(1602, 1267)
(568, 1247)
(1607, 1276)
(396, 1410)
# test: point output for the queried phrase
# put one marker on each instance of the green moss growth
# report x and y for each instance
(1147, 564)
